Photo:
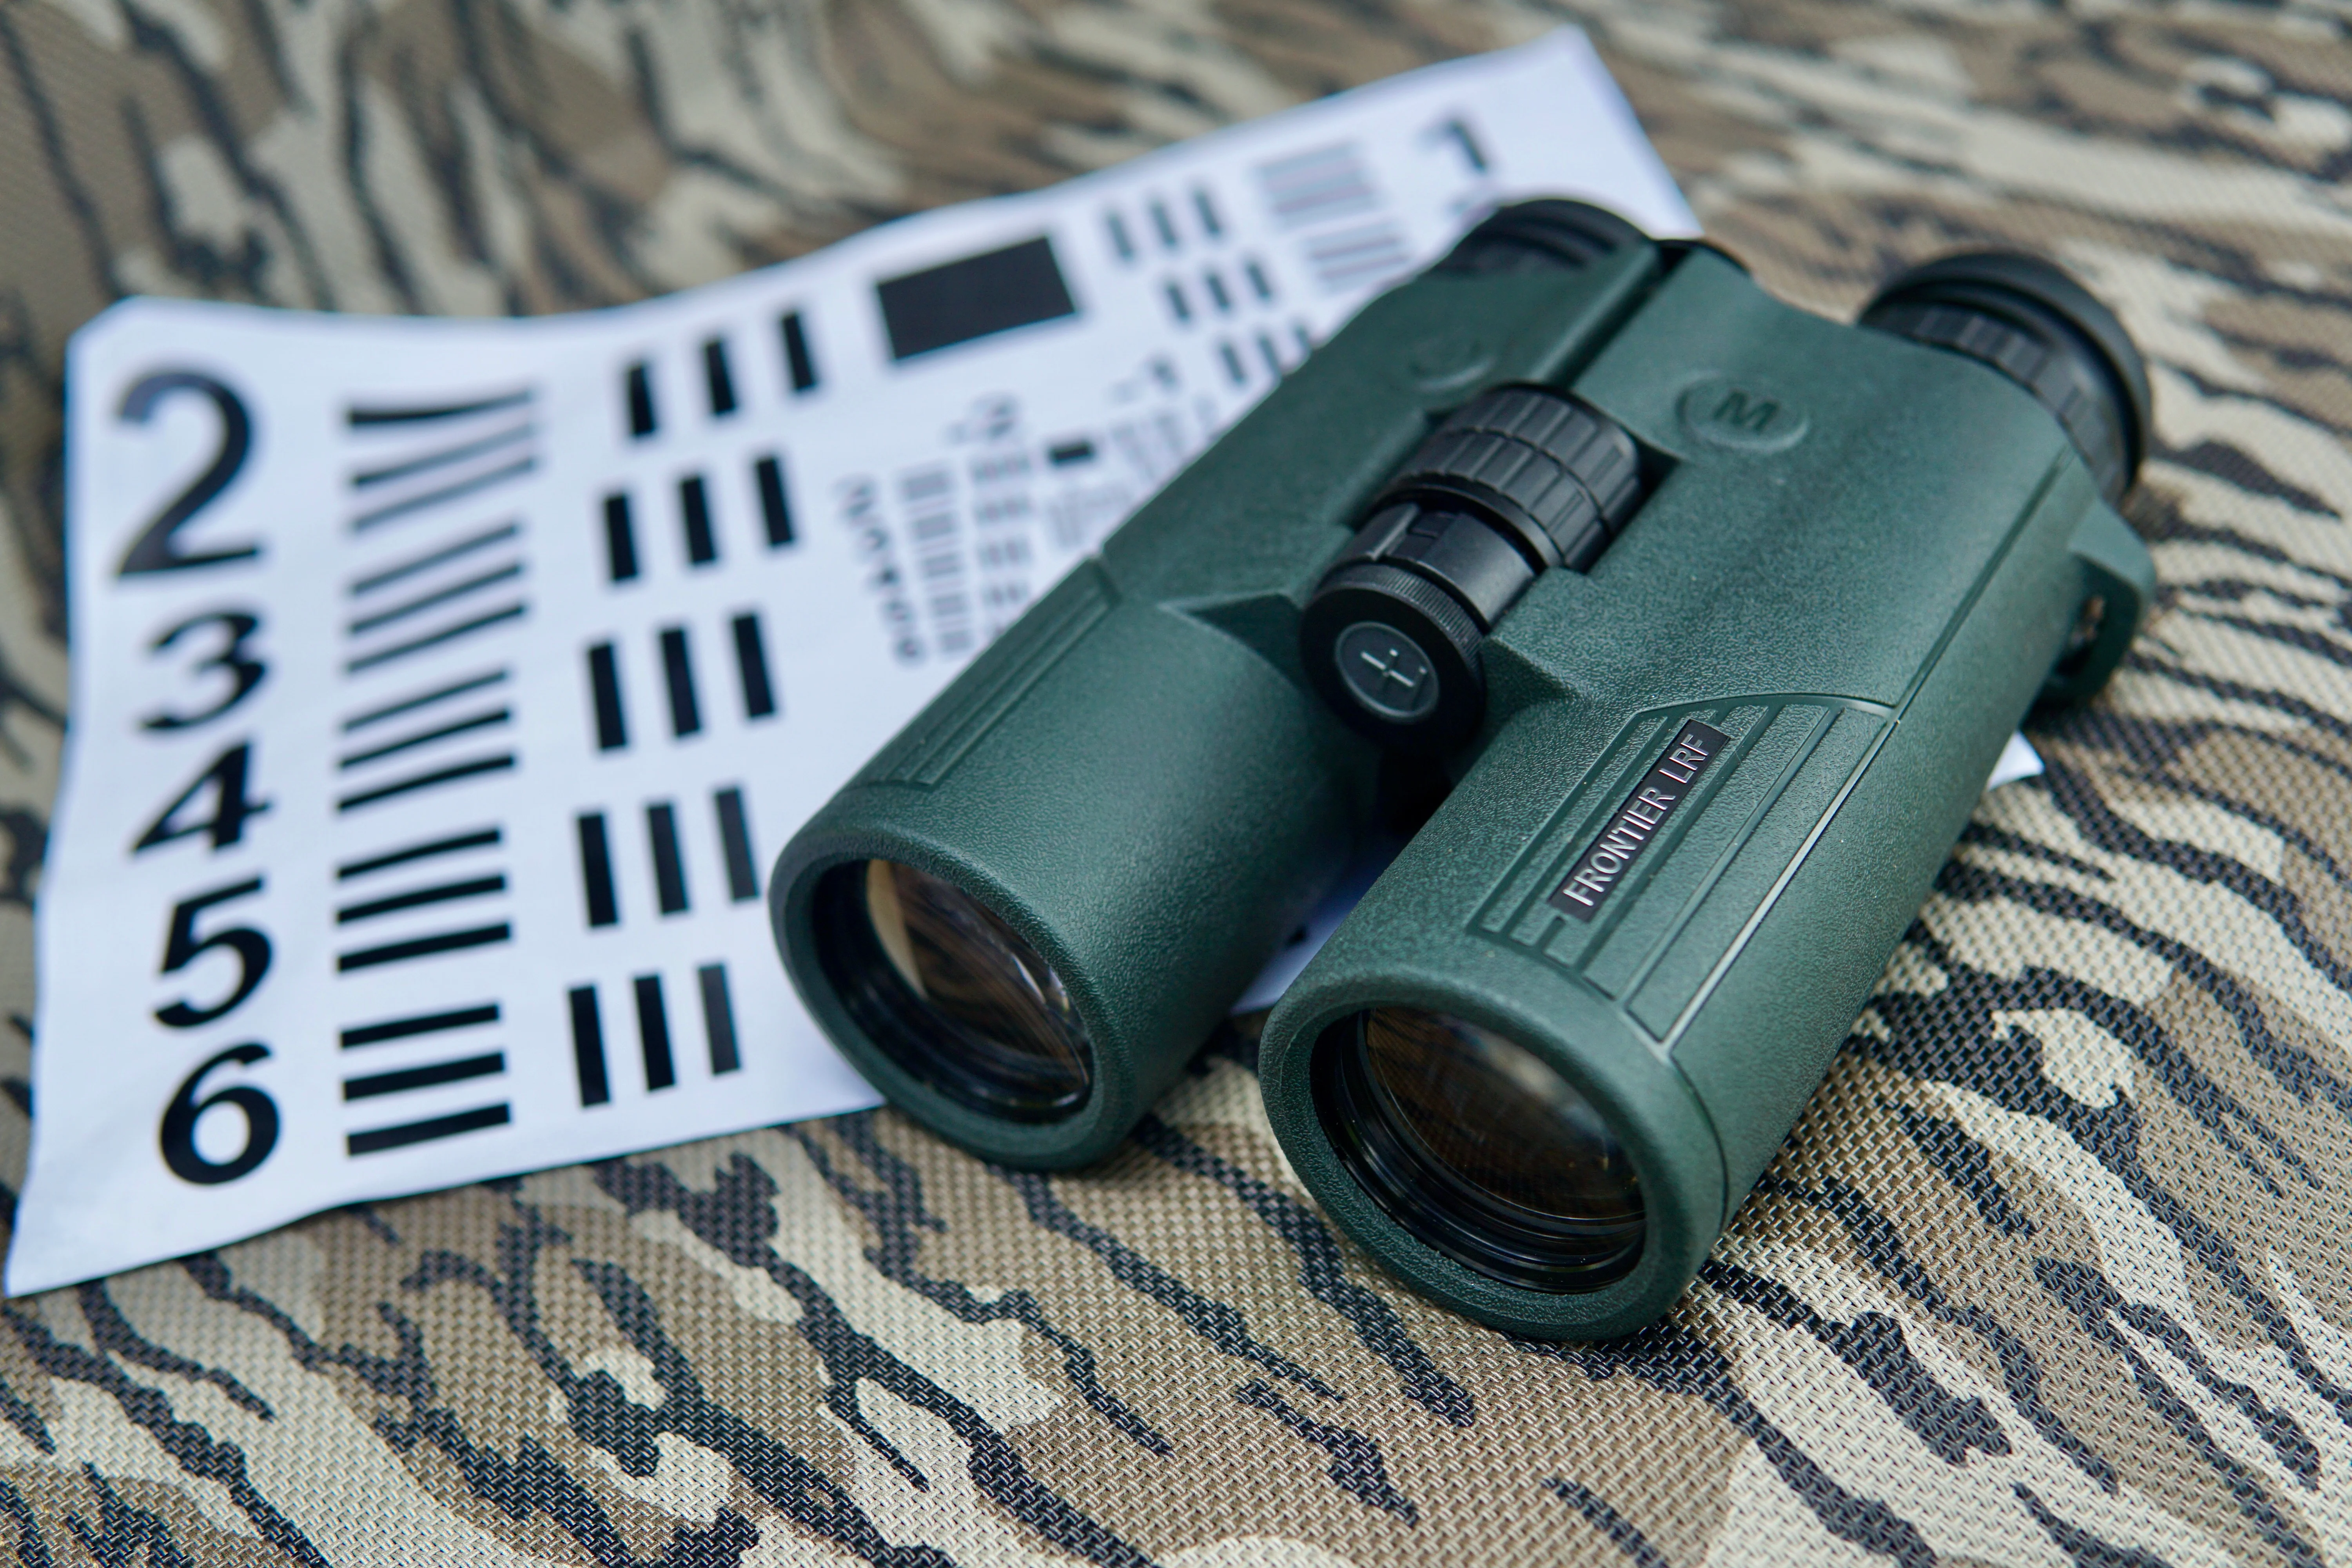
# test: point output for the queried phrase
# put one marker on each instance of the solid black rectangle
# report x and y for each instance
(798, 362)
(715, 376)
(422, 1024)
(641, 401)
(416, 898)
(694, 516)
(775, 505)
(424, 947)
(604, 687)
(1640, 817)
(596, 870)
(735, 843)
(588, 1047)
(1064, 454)
(677, 669)
(478, 839)
(434, 780)
(940, 306)
(718, 1018)
(653, 1033)
(669, 866)
(620, 539)
(752, 666)
(378, 1139)
(429, 1076)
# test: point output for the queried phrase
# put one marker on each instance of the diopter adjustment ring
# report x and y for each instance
(1559, 474)
(1521, 480)
(1549, 234)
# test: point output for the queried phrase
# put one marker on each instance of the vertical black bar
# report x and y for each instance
(751, 665)
(596, 870)
(718, 1018)
(588, 1047)
(669, 866)
(694, 512)
(1164, 224)
(605, 684)
(620, 538)
(1118, 238)
(714, 373)
(735, 843)
(1208, 212)
(653, 1033)
(641, 401)
(684, 713)
(797, 358)
(776, 507)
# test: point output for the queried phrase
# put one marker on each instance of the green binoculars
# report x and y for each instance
(1707, 618)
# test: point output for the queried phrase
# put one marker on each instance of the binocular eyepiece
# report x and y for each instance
(1715, 614)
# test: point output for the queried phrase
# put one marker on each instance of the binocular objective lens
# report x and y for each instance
(1480, 1150)
(949, 989)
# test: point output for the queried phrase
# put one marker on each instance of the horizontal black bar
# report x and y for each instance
(450, 774)
(473, 888)
(382, 1138)
(357, 416)
(456, 727)
(478, 839)
(417, 606)
(457, 491)
(432, 1073)
(422, 1024)
(424, 947)
(431, 558)
(433, 639)
(423, 699)
(446, 456)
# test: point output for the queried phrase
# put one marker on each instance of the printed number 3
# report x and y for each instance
(181, 946)
(230, 658)
(154, 550)
(177, 1137)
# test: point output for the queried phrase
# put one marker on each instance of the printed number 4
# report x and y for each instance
(224, 779)
(182, 945)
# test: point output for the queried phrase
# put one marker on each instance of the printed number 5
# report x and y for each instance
(154, 550)
(181, 946)
(177, 1137)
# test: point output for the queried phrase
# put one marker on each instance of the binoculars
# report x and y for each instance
(1705, 616)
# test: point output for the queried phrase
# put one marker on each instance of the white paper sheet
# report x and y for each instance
(466, 676)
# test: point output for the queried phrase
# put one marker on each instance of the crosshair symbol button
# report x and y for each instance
(1386, 672)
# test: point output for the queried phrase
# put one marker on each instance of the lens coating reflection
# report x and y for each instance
(1480, 1150)
(942, 985)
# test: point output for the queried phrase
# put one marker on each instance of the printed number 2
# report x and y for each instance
(177, 1137)
(182, 945)
(154, 550)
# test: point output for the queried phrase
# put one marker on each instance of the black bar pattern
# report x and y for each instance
(596, 870)
(678, 671)
(718, 1018)
(715, 376)
(669, 866)
(604, 687)
(424, 947)
(694, 516)
(642, 422)
(379, 1139)
(620, 539)
(735, 844)
(653, 1033)
(798, 361)
(588, 1047)
(775, 505)
(751, 666)
(422, 1024)
(481, 838)
(430, 1075)
(434, 780)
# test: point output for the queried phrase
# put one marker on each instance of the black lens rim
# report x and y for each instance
(1432, 1203)
(907, 1029)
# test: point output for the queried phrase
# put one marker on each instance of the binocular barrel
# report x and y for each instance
(1716, 612)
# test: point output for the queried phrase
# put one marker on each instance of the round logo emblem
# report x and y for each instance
(1741, 416)
(1386, 672)
(1444, 360)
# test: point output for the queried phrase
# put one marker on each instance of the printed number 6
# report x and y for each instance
(154, 550)
(181, 946)
(177, 1137)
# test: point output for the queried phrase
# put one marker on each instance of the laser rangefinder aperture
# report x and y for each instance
(1715, 613)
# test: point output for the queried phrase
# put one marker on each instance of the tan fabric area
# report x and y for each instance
(2054, 1272)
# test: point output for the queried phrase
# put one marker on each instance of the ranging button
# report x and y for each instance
(1561, 477)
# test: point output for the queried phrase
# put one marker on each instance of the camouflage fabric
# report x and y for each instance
(2055, 1270)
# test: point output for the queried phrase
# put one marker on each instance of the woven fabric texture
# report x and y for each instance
(2055, 1270)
